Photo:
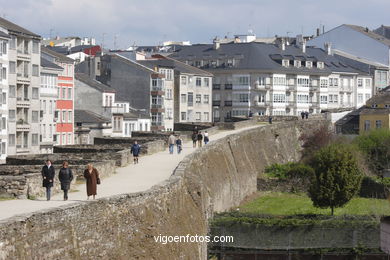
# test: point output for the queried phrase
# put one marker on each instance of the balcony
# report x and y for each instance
(217, 119)
(22, 102)
(261, 103)
(314, 104)
(22, 149)
(23, 55)
(157, 105)
(118, 110)
(22, 125)
(261, 86)
(291, 103)
(228, 103)
(291, 87)
(216, 103)
(314, 88)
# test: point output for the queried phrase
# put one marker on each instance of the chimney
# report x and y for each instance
(328, 48)
(304, 46)
(283, 45)
(318, 32)
(217, 43)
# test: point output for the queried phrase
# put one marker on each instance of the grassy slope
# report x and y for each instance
(291, 204)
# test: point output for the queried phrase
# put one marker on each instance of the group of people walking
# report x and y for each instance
(172, 141)
(65, 176)
(305, 114)
(198, 137)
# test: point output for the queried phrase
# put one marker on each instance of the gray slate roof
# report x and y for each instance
(135, 115)
(86, 116)
(48, 64)
(93, 83)
(16, 29)
(60, 57)
(4, 35)
(262, 56)
(370, 34)
(174, 64)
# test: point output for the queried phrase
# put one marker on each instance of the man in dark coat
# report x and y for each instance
(66, 176)
(135, 150)
(48, 174)
(303, 115)
(307, 115)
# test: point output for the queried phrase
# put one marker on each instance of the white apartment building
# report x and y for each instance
(48, 101)
(24, 82)
(270, 79)
(4, 70)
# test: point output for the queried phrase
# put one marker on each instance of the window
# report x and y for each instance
(69, 138)
(198, 82)
(12, 91)
(4, 73)
(190, 99)
(12, 67)
(169, 113)
(360, 98)
(309, 64)
(285, 63)
(12, 43)
(35, 118)
(35, 70)
(360, 82)
(261, 81)
(323, 83)
(3, 123)
(336, 82)
(198, 116)
(324, 99)
(183, 116)
(297, 63)
(206, 82)
(69, 93)
(367, 125)
(303, 99)
(34, 139)
(183, 80)
(70, 116)
(198, 99)
(35, 47)
(63, 116)
(320, 65)
(206, 116)
(378, 123)
(51, 107)
(279, 81)
(183, 98)
(206, 99)
(242, 98)
(242, 80)
(4, 96)
(303, 82)
(368, 96)
(11, 140)
(169, 94)
(279, 98)
(63, 93)
(12, 115)
(368, 83)
(35, 93)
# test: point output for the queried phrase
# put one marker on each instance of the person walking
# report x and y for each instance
(200, 138)
(92, 177)
(48, 174)
(307, 115)
(179, 143)
(135, 151)
(206, 137)
(270, 119)
(65, 176)
(194, 138)
(171, 142)
(303, 115)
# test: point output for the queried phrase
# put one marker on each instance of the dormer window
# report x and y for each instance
(230, 63)
(285, 63)
(297, 63)
(374, 105)
(309, 64)
(320, 65)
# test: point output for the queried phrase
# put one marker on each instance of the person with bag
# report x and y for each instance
(92, 179)
(48, 174)
(65, 176)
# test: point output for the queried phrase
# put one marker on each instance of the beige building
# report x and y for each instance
(24, 82)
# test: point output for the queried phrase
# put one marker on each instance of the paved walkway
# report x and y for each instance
(151, 170)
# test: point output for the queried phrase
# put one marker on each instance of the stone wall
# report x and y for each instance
(212, 179)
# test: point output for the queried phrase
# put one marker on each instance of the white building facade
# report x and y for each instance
(4, 70)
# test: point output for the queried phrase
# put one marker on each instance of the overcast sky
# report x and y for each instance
(148, 22)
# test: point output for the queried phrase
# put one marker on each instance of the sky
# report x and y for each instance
(123, 23)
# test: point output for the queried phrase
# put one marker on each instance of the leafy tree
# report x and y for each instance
(376, 147)
(315, 140)
(336, 178)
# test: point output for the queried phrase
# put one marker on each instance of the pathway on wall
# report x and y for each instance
(151, 170)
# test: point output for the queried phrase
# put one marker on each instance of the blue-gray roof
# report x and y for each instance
(48, 64)
(261, 56)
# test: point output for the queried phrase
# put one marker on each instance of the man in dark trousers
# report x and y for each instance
(303, 115)
(307, 115)
(135, 150)
(48, 174)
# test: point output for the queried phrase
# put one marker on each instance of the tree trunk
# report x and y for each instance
(332, 210)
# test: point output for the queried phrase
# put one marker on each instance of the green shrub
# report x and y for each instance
(289, 171)
(277, 170)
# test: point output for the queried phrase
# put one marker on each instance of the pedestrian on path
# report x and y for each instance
(171, 142)
(206, 137)
(48, 174)
(194, 138)
(270, 119)
(303, 115)
(65, 176)
(307, 115)
(135, 151)
(200, 138)
(92, 177)
(179, 143)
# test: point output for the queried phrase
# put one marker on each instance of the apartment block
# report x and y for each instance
(24, 82)
(64, 114)
(48, 102)
(4, 71)
(276, 79)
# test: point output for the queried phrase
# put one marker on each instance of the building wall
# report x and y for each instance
(88, 98)
(4, 70)
(384, 118)
(65, 106)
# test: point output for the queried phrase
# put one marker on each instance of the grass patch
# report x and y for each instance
(276, 203)
(6, 198)
(80, 181)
